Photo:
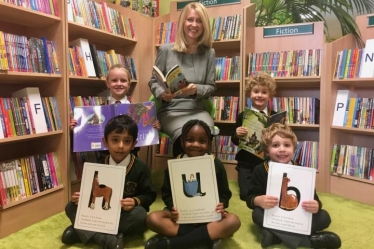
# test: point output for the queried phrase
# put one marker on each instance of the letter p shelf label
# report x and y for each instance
(286, 30)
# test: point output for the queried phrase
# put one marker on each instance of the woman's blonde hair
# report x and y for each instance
(205, 40)
(284, 131)
(262, 79)
(120, 66)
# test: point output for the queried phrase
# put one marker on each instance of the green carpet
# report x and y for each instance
(353, 221)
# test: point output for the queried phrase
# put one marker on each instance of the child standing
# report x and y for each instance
(279, 143)
(118, 82)
(259, 89)
(120, 136)
(196, 141)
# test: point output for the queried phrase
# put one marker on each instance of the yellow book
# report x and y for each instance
(280, 64)
(3, 58)
(351, 112)
(347, 62)
(25, 175)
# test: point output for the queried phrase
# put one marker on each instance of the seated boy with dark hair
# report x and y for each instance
(120, 137)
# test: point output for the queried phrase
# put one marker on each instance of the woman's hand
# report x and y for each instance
(167, 96)
(189, 90)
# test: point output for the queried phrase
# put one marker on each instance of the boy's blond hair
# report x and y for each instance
(284, 131)
(262, 79)
(120, 66)
(205, 40)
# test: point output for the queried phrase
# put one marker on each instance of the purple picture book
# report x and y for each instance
(91, 121)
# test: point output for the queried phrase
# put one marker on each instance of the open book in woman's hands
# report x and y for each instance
(173, 81)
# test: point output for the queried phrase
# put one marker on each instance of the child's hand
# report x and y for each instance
(156, 125)
(241, 131)
(174, 214)
(221, 209)
(128, 204)
(310, 206)
(167, 96)
(72, 124)
(75, 198)
(266, 201)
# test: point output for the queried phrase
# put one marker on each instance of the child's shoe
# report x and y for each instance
(327, 240)
(69, 236)
(152, 242)
(268, 239)
(217, 244)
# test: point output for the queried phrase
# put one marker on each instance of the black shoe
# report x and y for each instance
(69, 236)
(216, 244)
(328, 240)
(119, 241)
(151, 243)
(268, 239)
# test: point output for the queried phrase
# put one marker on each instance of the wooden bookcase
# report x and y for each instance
(29, 23)
(138, 48)
(305, 86)
(347, 186)
(222, 48)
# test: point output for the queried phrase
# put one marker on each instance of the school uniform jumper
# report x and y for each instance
(138, 185)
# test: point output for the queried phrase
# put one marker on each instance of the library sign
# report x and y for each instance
(370, 21)
(207, 3)
(286, 30)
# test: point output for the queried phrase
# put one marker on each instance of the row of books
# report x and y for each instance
(359, 113)
(300, 110)
(27, 176)
(28, 113)
(307, 154)
(86, 60)
(226, 28)
(165, 146)
(78, 160)
(166, 32)
(228, 68)
(352, 160)
(86, 101)
(348, 63)
(286, 63)
(45, 6)
(100, 16)
(223, 28)
(223, 148)
(22, 54)
(146, 7)
(226, 107)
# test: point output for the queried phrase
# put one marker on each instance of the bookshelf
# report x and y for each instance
(343, 185)
(23, 21)
(136, 47)
(294, 86)
(223, 48)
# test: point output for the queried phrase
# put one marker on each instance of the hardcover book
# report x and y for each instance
(255, 122)
(173, 81)
(99, 207)
(91, 121)
(194, 188)
(292, 185)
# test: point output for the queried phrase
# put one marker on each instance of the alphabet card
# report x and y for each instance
(194, 188)
(292, 185)
(99, 207)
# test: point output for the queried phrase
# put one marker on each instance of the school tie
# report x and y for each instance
(118, 102)
(263, 112)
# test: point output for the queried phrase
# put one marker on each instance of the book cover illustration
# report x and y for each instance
(194, 188)
(91, 121)
(292, 185)
(255, 122)
(173, 81)
(99, 207)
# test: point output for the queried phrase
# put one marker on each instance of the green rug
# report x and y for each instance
(353, 222)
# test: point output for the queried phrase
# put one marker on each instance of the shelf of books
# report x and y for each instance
(350, 132)
(226, 24)
(108, 37)
(294, 56)
(33, 113)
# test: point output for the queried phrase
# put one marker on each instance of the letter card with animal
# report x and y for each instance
(194, 188)
(292, 185)
(99, 207)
